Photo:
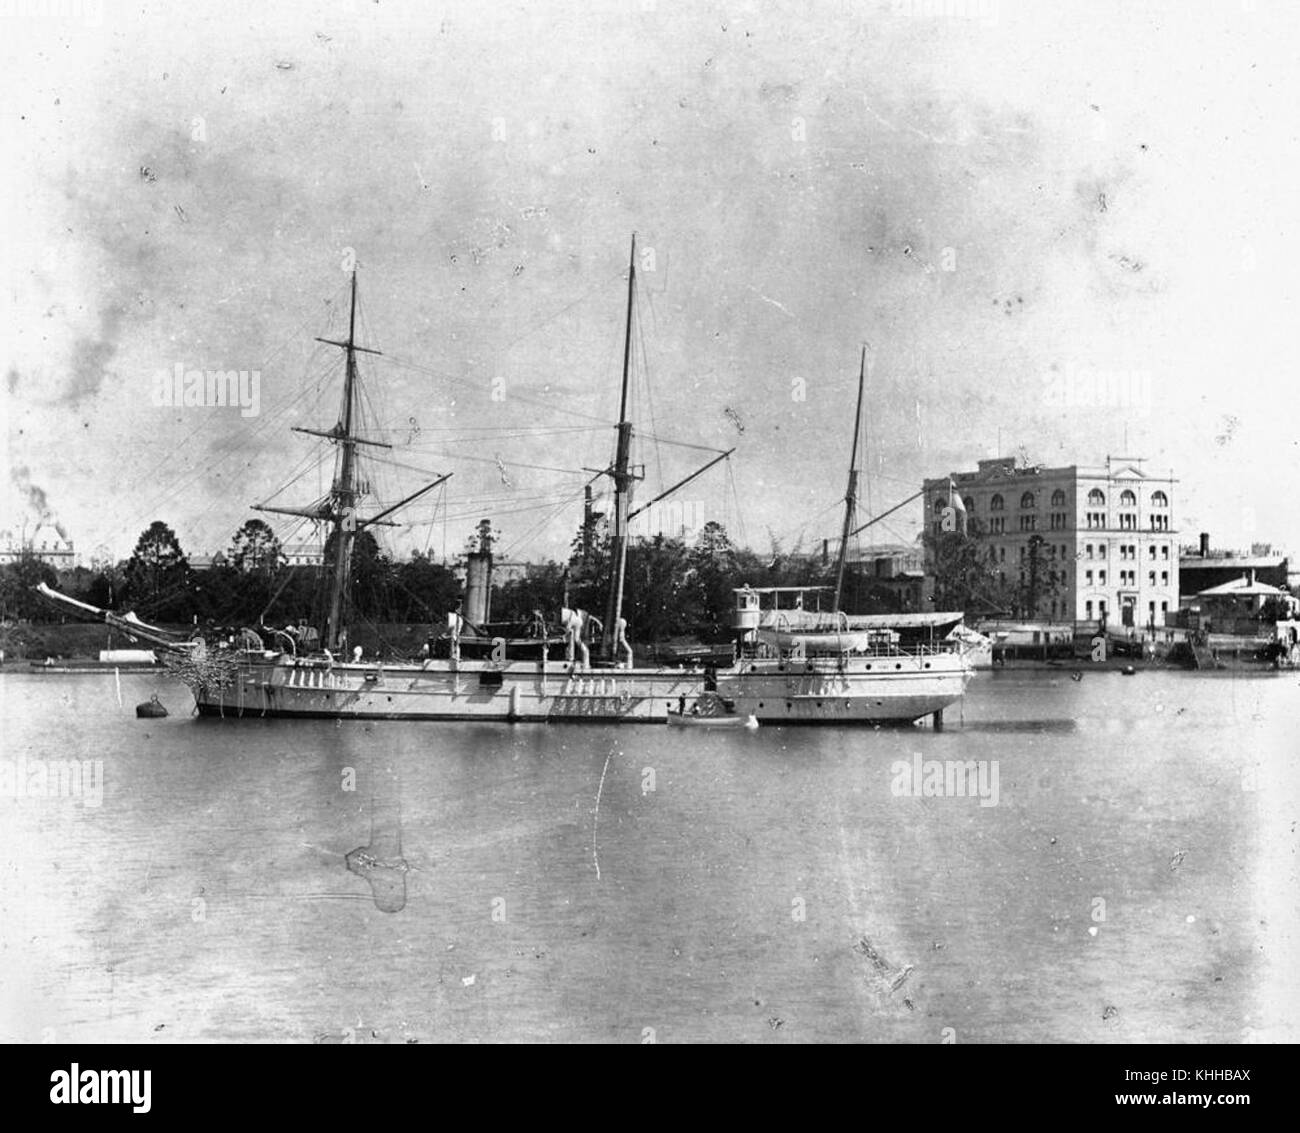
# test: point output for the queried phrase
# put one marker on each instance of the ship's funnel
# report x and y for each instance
(478, 587)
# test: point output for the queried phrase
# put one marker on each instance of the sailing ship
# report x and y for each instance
(500, 679)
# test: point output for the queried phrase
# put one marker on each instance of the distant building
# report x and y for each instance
(207, 562)
(503, 570)
(1201, 568)
(897, 568)
(1106, 537)
(303, 554)
(47, 543)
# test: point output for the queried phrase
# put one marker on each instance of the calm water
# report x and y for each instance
(757, 887)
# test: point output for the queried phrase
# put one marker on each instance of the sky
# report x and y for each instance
(1021, 210)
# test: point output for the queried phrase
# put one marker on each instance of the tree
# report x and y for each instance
(426, 590)
(256, 550)
(541, 588)
(963, 576)
(658, 602)
(157, 573)
(371, 576)
(589, 574)
(18, 596)
(713, 566)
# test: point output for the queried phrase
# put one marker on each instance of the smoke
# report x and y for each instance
(91, 356)
(36, 499)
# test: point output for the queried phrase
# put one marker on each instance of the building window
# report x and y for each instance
(938, 505)
(1096, 498)
(1164, 578)
(1127, 499)
(1028, 523)
(1088, 550)
(1027, 500)
(1002, 554)
(1088, 578)
(969, 501)
(1101, 551)
(1151, 578)
(996, 504)
(1127, 521)
(1101, 578)
(1153, 550)
(1087, 609)
(1058, 498)
(997, 525)
(1164, 551)
(1159, 499)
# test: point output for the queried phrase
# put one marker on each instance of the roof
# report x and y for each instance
(1241, 588)
(1193, 561)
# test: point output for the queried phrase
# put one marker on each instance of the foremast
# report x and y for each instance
(339, 508)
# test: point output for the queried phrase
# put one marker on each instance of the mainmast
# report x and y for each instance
(623, 479)
(851, 496)
(343, 493)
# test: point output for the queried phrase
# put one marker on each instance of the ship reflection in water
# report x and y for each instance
(598, 883)
(381, 862)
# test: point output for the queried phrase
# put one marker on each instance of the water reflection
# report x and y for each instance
(381, 862)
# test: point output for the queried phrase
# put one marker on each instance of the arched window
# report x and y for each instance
(1058, 498)
(1159, 499)
(1096, 498)
(970, 503)
(1027, 500)
(995, 504)
(940, 502)
(1127, 499)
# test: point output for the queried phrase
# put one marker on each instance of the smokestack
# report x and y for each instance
(478, 578)
(826, 552)
(1205, 544)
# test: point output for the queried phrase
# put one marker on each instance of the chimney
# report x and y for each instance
(1205, 544)
(826, 552)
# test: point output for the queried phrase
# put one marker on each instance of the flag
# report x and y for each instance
(957, 504)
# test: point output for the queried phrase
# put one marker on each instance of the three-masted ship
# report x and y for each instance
(503, 680)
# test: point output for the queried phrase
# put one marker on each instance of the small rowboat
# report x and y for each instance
(710, 711)
(730, 720)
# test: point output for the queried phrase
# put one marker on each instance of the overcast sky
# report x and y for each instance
(1003, 198)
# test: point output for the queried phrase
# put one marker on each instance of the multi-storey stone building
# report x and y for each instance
(1102, 541)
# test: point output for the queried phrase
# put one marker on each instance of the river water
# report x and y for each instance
(1135, 881)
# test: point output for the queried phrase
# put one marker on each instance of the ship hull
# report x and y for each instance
(897, 689)
(514, 693)
(889, 689)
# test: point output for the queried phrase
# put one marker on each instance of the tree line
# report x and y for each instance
(673, 588)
